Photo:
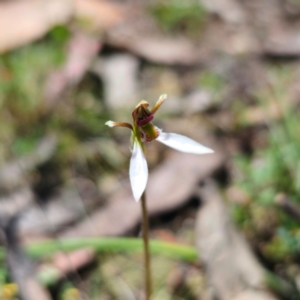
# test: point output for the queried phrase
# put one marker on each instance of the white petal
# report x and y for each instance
(182, 143)
(138, 171)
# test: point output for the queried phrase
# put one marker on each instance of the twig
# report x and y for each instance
(21, 268)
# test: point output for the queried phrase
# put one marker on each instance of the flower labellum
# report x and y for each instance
(143, 131)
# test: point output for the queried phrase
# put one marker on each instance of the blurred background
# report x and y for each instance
(231, 71)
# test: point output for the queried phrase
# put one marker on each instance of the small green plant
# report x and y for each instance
(179, 16)
(211, 81)
(272, 170)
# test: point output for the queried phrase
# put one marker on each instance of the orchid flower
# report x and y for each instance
(143, 131)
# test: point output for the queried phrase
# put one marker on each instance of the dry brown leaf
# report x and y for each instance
(65, 263)
(283, 41)
(121, 88)
(24, 21)
(36, 17)
(69, 262)
(34, 290)
(156, 48)
(99, 14)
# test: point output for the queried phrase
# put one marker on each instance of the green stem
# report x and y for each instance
(145, 229)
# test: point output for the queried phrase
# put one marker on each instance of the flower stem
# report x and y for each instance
(145, 228)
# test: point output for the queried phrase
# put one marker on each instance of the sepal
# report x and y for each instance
(118, 124)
